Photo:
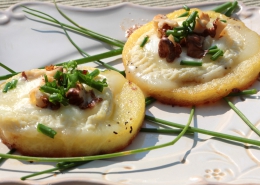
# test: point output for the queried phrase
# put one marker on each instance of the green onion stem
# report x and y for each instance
(242, 116)
(206, 132)
(87, 32)
(244, 92)
(191, 63)
(104, 156)
(223, 7)
(6, 68)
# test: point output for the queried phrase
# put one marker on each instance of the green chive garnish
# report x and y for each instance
(10, 85)
(144, 41)
(191, 63)
(185, 14)
(231, 10)
(216, 55)
(223, 7)
(185, 7)
(46, 130)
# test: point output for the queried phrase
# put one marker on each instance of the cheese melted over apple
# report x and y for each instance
(16, 105)
(146, 64)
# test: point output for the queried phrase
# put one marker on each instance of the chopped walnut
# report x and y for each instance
(168, 49)
(162, 24)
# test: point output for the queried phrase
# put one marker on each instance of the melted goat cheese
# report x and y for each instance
(15, 105)
(146, 64)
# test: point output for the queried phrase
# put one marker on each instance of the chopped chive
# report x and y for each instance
(192, 17)
(231, 10)
(49, 90)
(185, 7)
(223, 7)
(244, 92)
(185, 14)
(216, 55)
(46, 130)
(242, 116)
(222, 20)
(212, 51)
(213, 47)
(144, 41)
(191, 63)
(10, 85)
(175, 33)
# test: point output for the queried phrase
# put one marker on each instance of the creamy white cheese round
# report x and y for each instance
(146, 64)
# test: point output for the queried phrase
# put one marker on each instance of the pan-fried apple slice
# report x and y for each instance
(103, 122)
(156, 67)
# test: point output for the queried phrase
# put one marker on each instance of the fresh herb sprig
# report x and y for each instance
(63, 81)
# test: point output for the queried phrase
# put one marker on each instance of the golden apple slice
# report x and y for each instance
(172, 83)
(108, 126)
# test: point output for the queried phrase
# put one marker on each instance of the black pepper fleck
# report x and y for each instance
(131, 129)
(115, 132)
(126, 122)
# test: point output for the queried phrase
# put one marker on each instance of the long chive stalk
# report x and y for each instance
(86, 32)
(242, 116)
(10, 152)
(163, 131)
(92, 58)
(4, 77)
(100, 56)
(104, 156)
(74, 44)
(244, 92)
(57, 168)
(7, 68)
(119, 43)
(206, 132)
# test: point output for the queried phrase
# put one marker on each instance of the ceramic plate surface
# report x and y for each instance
(26, 42)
